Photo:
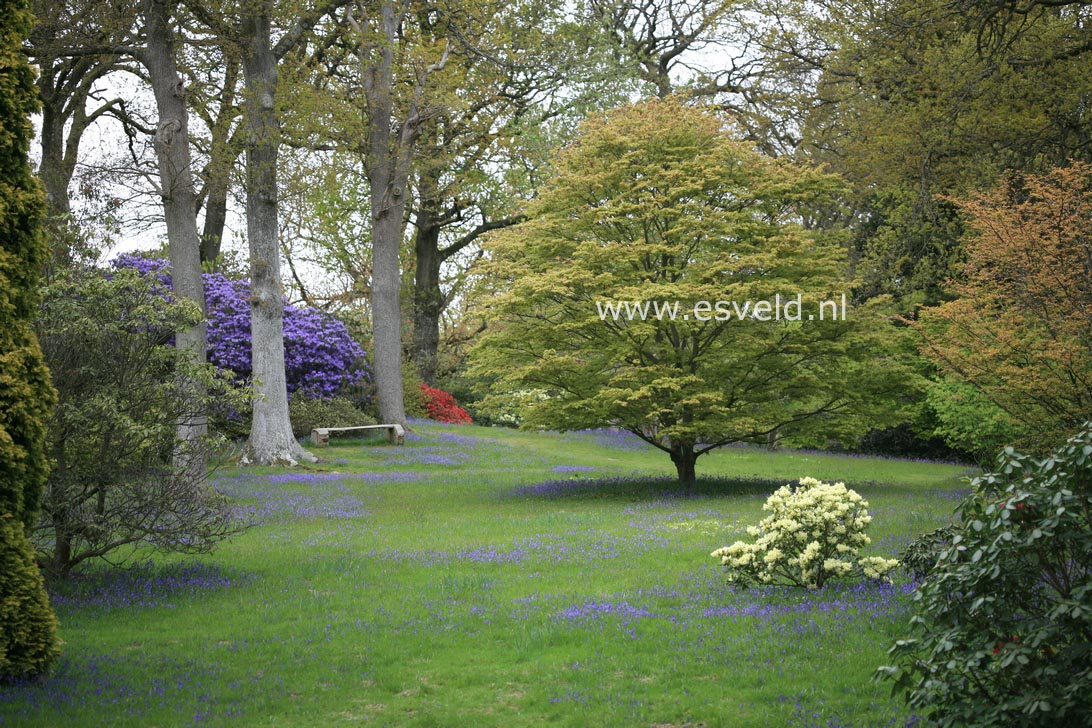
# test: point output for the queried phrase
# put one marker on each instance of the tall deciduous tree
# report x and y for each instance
(392, 135)
(1021, 330)
(758, 59)
(482, 120)
(912, 107)
(172, 146)
(63, 45)
(659, 203)
(218, 108)
(659, 39)
(271, 439)
(28, 628)
(499, 90)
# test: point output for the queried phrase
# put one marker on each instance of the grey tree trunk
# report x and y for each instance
(388, 172)
(180, 210)
(271, 440)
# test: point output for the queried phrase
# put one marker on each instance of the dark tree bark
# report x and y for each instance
(428, 303)
(685, 458)
(388, 173)
(66, 84)
(56, 167)
(222, 155)
(656, 35)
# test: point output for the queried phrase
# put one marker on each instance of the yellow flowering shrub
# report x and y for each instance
(812, 535)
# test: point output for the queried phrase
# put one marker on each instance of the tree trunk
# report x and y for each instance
(54, 173)
(222, 154)
(428, 302)
(64, 85)
(271, 439)
(387, 315)
(388, 173)
(61, 563)
(212, 236)
(685, 459)
(69, 88)
(180, 211)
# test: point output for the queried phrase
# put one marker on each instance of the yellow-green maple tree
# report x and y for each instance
(661, 202)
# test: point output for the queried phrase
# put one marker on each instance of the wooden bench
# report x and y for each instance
(395, 433)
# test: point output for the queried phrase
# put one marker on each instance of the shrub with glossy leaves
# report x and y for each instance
(320, 357)
(812, 535)
(120, 485)
(920, 556)
(1003, 630)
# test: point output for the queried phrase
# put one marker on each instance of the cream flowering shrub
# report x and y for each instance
(812, 535)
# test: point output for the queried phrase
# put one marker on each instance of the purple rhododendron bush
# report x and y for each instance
(321, 359)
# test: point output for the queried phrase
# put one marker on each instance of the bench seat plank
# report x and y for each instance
(395, 433)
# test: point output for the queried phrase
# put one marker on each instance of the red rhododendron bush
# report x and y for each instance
(442, 407)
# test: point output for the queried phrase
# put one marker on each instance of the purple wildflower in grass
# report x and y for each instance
(456, 438)
(428, 455)
(613, 438)
(573, 469)
(844, 601)
(576, 547)
(485, 554)
(130, 687)
(594, 609)
(294, 478)
(809, 712)
(260, 499)
(644, 487)
(490, 555)
(145, 584)
(336, 533)
(298, 505)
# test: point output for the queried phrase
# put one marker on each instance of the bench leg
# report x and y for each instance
(396, 435)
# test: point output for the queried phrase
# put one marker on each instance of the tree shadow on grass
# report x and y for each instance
(638, 488)
(106, 587)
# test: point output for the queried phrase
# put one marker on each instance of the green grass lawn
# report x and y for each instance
(475, 578)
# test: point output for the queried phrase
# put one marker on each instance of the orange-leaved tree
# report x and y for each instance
(1020, 330)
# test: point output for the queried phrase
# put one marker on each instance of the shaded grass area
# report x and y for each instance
(491, 578)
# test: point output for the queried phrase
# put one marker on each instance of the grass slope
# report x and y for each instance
(474, 578)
